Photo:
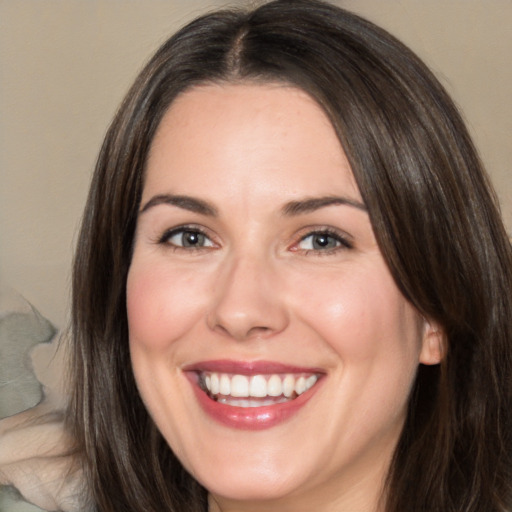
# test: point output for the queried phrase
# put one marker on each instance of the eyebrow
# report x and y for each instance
(191, 204)
(290, 209)
(309, 205)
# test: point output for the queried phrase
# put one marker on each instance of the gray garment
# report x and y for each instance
(22, 327)
(12, 501)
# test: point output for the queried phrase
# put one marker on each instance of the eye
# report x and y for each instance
(187, 238)
(323, 241)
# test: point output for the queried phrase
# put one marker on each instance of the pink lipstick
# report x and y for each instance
(252, 395)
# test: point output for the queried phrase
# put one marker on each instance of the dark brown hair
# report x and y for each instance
(434, 215)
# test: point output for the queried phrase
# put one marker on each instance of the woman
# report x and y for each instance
(292, 284)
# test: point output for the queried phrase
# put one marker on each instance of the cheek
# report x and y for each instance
(162, 304)
(362, 316)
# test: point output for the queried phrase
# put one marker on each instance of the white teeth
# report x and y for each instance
(214, 383)
(300, 385)
(289, 385)
(274, 387)
(238, 387)
(225, 385)
(258, 387)
(247, 402)
(310, 381)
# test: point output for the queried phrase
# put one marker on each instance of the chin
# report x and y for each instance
(264, 481)
(251, 487)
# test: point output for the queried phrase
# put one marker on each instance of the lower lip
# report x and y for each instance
(251, 418)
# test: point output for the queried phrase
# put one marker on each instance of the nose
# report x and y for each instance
(248, 301)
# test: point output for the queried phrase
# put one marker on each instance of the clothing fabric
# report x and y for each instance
(35, 467)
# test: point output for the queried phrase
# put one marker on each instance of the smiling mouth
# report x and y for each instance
(249, 391)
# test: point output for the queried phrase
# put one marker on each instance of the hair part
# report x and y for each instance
(434, 215)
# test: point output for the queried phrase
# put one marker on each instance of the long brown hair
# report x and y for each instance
(434, 215)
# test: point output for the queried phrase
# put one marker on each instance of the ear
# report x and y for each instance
(432, 345)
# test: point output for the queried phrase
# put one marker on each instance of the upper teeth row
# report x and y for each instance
(257, 385)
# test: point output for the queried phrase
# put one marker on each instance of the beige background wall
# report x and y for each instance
(65, 65)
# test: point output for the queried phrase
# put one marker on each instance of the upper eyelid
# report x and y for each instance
(167, 233)
(345, 240)
(335, 232)
(344, 237)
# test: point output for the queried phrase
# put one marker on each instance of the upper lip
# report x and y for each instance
(248, 367)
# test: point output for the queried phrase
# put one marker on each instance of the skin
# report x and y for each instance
(258, 289)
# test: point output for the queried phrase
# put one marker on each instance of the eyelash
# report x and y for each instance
(343, 243)
(167, 235)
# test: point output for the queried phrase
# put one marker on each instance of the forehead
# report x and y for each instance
(248, 136)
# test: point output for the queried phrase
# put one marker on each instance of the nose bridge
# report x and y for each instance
(247, 300)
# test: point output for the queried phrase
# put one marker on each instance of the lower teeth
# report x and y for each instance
(247, 402)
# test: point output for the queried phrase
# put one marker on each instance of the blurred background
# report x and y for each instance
(65, 66)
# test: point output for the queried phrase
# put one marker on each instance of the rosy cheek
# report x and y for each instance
(159, 306)
(337, 311)
(360, 314)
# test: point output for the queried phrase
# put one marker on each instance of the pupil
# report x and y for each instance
(191, 238)
(322, 241)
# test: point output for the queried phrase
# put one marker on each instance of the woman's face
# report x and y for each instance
(269, 341)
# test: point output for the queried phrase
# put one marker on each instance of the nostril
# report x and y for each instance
(255, 331)
(242, 333)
